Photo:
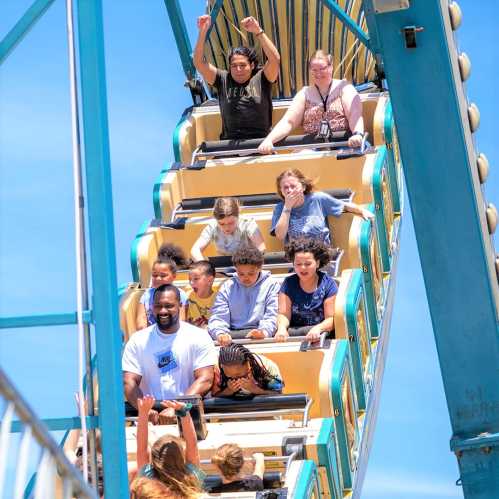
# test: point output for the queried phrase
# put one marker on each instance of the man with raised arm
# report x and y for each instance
(244, 92)
(168, 359)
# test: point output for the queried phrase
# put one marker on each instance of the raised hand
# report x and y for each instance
(204, 23)
(145, 408)
(251, 25)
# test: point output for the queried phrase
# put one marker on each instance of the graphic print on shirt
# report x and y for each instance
(166, 361)
(309, 225)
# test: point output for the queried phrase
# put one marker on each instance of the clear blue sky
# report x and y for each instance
(410, 457)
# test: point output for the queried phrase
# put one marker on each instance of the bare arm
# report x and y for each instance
(131, 382)
(327, 324)
(271, 67)
(141, 317)
(197, 250)
(291, 120)
(258, 242)
(283, 317)
(188, 432)
(145, 405)
(353, 109)
(359, 211)
(203, 380)
(207, 70)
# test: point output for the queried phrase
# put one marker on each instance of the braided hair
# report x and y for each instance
(236, 354)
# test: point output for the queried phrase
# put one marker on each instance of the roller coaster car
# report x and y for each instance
(316, 421)
(323, 418)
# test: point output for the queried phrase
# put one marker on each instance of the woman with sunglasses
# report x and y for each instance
(243, 374)
(325, 103)
(228, 231)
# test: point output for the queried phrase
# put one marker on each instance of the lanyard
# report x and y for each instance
(324, 101)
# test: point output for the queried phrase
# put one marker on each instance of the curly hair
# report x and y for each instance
(306, 182)
(169, 467)
(169, 252)
(229, 459)
(236, 354)
(320, 250)
(247, 255)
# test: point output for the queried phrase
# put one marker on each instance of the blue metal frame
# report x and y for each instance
(156, 193)
(327, 453)
(22, 27)
(341, 365)
(377, 189)
(306, 480)
(356, 296)
(181, 37)
(348, 22)
(393, 169)
(456, 251)
(102, 245)
(134, 264)
(44, 320)
(366, 231)
(214, 14)
(58, 424)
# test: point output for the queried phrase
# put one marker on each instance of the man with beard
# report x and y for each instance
(168, 359)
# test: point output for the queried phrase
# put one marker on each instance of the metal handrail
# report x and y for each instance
(53, 460)
(263, 414)
(197, 154)
(252, 414)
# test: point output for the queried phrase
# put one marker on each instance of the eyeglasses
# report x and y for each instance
(321, 69)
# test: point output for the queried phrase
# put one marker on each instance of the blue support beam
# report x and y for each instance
(181, 37)
(349, 23)
(43, 320)
(59, 424)
(102, 245)
(22, 27)
(214, 14)
(456, 251)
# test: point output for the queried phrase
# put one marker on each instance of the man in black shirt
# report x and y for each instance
(244, 92)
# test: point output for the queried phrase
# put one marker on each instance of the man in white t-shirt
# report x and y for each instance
(170, 358)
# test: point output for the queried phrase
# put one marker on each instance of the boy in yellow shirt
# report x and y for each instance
(201, 298)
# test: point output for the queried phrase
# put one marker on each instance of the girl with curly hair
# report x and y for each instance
(306, 297)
